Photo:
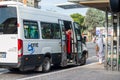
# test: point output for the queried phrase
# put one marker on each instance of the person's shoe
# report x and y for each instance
(68, 60)
(71, 61)
(99, 63)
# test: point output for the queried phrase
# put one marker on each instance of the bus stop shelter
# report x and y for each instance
(111, 7)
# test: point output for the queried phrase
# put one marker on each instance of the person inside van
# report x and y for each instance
(68, 35)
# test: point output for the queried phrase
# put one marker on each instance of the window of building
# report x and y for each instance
(31, 30)
(50, 30)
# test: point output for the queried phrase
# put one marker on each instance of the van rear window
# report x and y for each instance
(8, 20)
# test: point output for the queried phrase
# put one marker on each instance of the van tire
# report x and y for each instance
(82, 61)
(46, 65)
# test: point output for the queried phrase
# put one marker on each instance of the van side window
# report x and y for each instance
(31, 29)
(77, 31)
(50, 30)
(55, 30)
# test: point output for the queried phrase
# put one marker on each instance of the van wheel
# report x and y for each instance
(82, 61)
(46, 65)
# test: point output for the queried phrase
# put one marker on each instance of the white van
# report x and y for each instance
(31, 39)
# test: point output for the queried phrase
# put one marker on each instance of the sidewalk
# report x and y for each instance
(92, 71)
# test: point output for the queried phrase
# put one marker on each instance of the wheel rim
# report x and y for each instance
(47, 65)
(83, 60)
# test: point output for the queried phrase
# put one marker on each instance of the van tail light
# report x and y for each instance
(20, 48)
(18, 25)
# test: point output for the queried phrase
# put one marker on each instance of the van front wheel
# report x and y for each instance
(82, 61)
(46, 65)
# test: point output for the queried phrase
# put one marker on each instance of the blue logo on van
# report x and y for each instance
(31, 48)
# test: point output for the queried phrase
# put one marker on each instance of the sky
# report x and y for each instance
(50, 5)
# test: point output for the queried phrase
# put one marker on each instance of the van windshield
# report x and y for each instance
(8, 20)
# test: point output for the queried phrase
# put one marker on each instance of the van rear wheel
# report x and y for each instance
(46, 65)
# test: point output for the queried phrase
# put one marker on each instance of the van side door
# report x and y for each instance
(78, 40)
(63, 43)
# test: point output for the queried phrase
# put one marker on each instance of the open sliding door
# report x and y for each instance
(78, 41)
(63, 43)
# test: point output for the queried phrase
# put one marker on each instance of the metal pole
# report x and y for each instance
(106, 47)
(118, 42)
(115, 43)
(111, 55)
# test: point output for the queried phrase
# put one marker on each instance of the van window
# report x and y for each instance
(8, 20)
(77, 31)
(50, 30)
(31, 30)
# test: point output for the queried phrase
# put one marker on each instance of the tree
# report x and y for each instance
(94, 18)
(79, 19)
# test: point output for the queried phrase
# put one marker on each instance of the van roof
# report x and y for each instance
(10, 3)
(13, 3)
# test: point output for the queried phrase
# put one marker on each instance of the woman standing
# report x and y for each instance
(68, 34)
(100, 49)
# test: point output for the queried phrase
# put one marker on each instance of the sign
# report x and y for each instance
(97, 32)
(31, 48)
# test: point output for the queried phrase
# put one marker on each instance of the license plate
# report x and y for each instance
(2, 54)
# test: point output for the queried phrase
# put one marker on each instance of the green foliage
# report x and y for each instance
(94, 18)
(78, 18)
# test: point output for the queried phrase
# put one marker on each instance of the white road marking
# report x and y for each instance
(2, 71)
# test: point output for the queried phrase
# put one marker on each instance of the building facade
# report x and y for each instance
(32, 3)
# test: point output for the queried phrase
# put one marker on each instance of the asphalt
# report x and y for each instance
(93, 71)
